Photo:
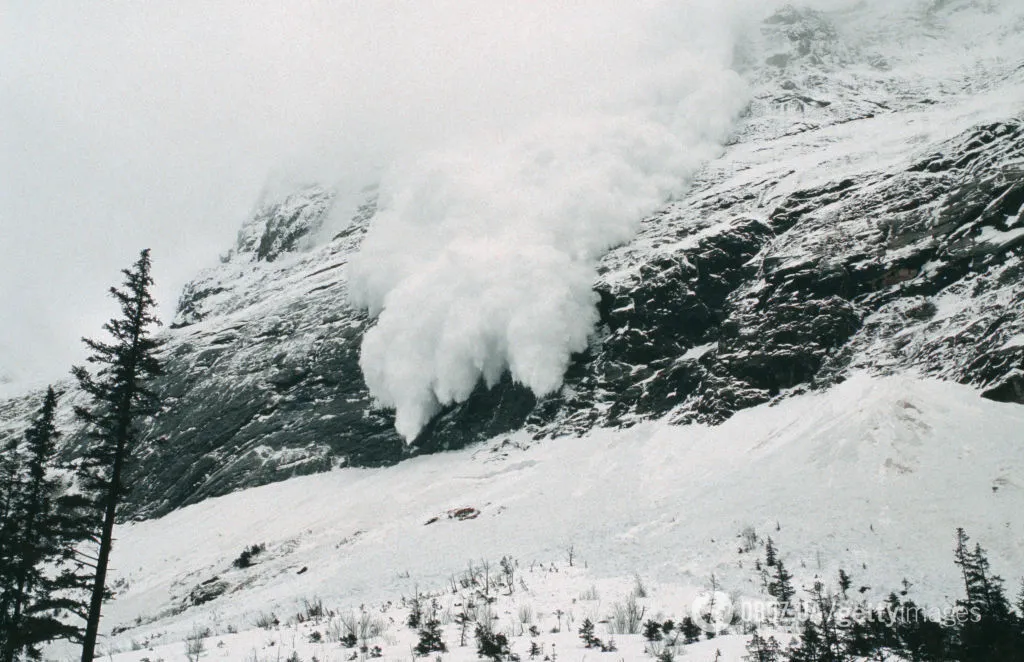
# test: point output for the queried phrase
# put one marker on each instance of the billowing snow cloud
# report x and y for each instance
(482, 257)
(530, 136)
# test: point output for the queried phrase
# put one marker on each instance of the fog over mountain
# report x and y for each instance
(130, 124)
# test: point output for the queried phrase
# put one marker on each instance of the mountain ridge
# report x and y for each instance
(866, 214)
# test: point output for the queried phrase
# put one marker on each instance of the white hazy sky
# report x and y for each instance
(142, 124)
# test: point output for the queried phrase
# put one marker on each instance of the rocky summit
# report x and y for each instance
(867, 214)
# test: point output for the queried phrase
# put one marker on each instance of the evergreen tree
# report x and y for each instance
(825, 606)
(844, 583)
(587, 633)
(919, 638)
(690, 630)
(11, 469)
(493, 645)
(769, 553)
(120, 396)
(781, 587)
(652, 631)
(10, 478)
(990, 630)
(809, 646)
(1020, 607)
(430, 639)
(760, 649)
(40, 534)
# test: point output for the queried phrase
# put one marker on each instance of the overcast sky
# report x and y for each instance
(156, 124)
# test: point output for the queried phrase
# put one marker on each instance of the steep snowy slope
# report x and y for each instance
(866, 214)
(872, 476)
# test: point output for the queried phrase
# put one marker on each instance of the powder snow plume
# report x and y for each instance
(482, 256)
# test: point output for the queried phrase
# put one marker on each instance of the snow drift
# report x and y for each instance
(482, 256)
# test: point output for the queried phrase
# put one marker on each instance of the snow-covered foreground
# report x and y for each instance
(872, 476)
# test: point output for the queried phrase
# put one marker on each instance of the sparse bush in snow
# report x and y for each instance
(748, 539)
(312, 610)
(525, 614)
(354, 628)
(266, 621)
(590, 594)
(464, 618)
(639, 589)
(195, 643)
(626, 616)
(508, 571)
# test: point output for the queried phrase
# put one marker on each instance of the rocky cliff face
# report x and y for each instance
(869, 214)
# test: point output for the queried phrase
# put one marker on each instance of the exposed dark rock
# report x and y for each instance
(1009, 389)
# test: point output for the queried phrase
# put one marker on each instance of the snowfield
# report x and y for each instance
(872, 476)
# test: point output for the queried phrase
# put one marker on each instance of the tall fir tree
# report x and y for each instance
(1020, 607)
(120, 396)
(11, 473)
(781, 587)
(10, 476)
(991, 630)
(769, 553)
(40, 535)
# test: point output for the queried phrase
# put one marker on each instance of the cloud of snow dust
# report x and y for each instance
(482, 257)
(135, 124)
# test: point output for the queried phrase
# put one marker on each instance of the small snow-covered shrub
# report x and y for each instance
(195, 643)
(430, 639)
(312, 610)
(244, 559)
(639, 588)
(493, 646)
(356, 627)
(266, 621)
(748, 539)
(626, 616)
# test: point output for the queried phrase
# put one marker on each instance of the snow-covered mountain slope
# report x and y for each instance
(872, 476)
(866, 214)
